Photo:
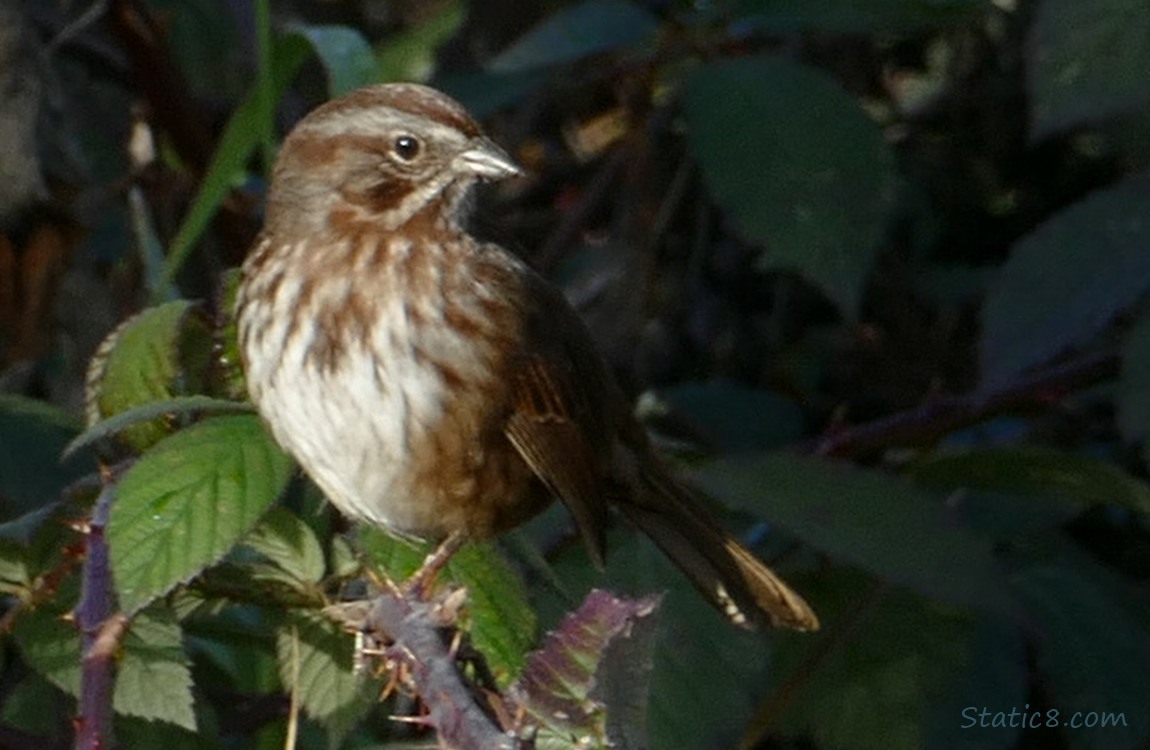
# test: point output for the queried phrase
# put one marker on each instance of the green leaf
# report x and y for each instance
(993, 676)
(154, 680)
(51, 646)
(1133, 397)
(315, 661)
(697, 652)
(35, 705)
(590, 678)
(1086, 62)
(136, 364)
(502, 622)
(166, 408)
(286, 540)
(32, 437)
(854, 17)
(393, 557)
(797, 165)
(1093, 654)
(410, 54)
(577, 31)
(345, 54)
(877, 690)
(187, 501)
(737, 418)
(132, 732)
(1030, 470)
(882, 524)
(1066, 280)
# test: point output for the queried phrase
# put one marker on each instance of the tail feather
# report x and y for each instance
(725, 572)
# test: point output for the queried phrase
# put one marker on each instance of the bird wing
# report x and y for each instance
(559, 421)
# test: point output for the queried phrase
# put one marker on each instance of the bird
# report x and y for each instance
(433, 384)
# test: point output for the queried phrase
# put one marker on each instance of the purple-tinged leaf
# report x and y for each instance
(590, 678)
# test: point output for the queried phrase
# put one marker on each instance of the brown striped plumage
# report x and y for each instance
(433, 384)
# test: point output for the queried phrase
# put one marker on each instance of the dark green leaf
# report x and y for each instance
(1086, 62)
(187, 501)
(1092, 652)
(315, 661)
(1036, 471)
(797, 165)
(1133, 398)
(878, 689)
(32, 437)
(154, 681)
(854, 17)
(576, 32)
(345, 54)
(882, 524)
(1066, 280)
(286, 540)
(132, 732)
(51, 646)
(993, 677)
(737, 418)
(36, 705)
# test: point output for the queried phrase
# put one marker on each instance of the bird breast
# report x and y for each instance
(384, 382)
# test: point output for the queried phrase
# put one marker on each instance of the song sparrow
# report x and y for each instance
(433, 384)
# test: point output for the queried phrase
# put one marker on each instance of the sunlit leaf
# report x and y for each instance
(154, 679)
(138, 363)
(503, 624)
(187, 501)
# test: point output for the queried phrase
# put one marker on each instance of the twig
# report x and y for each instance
(945, 414)
(411, 626)
(97, 631)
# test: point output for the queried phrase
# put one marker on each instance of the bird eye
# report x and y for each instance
(406, 147)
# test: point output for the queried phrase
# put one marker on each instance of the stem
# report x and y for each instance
(98, 632)
(944, 414)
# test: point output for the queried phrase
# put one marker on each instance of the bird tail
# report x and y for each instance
(727, 574)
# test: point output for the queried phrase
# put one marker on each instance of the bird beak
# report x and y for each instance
(486, 160)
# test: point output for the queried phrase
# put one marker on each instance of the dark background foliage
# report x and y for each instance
(875, 272)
